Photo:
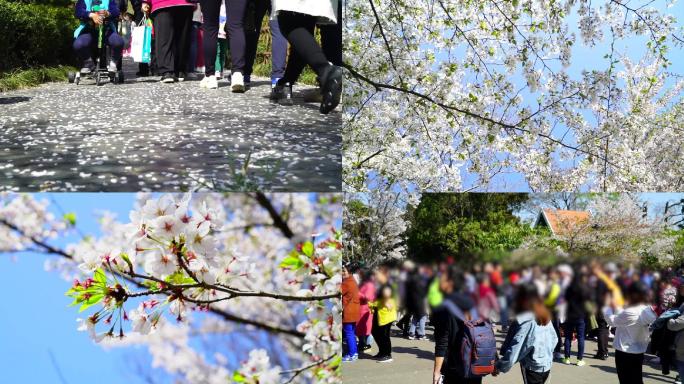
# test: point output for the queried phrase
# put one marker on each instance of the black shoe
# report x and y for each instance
(142, 74)
(168, 78)
(601, 356)
(331, 88)
(288, 100)
(282, 93)
(385, 359)
(181, 76)
(277, 93)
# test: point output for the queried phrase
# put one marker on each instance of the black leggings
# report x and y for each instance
(235, 12)
(531, 377)
(172, 34)
(298, 29)
(603, 335)
(460, 380)
(629, 367)
(331, 38)
(381, 334)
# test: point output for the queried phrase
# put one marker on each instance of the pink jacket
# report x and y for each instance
(366, 295)
(159, 4)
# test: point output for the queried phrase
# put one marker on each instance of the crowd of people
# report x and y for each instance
(191, 35)
(543, 312)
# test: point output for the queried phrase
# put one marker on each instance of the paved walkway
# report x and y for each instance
(144, 135)
(413, 361)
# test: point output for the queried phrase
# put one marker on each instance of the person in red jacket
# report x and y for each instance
(350, 313)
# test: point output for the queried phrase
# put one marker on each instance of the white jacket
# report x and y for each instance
(324, 10)
(631, 328)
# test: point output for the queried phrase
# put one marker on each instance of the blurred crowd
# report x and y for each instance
(637, 308)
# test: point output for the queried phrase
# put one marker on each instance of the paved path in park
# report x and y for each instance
(144, 135)
(413, 361)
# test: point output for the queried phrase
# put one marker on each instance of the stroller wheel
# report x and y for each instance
(71, 76)
(120, 77)
(112, 77)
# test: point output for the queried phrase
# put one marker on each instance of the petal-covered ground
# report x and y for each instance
(144, 135)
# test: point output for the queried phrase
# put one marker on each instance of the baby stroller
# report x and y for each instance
(99, 71)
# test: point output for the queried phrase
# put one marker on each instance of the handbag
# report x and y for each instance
(141, 41)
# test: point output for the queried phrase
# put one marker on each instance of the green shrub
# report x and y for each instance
(35, 34)
(59, 3)
(25, 78)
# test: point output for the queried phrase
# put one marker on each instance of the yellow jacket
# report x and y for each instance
(614, 288)
(386, 312)
(553, 295)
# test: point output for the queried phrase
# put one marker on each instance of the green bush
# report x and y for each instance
(25, 78)
(59, 3)
(35, 34)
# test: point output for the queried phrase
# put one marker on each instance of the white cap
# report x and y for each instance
(566, 269)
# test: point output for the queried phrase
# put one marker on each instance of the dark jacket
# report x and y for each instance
(416, 292)
(449, 334)
(577, 295)
(599, 293)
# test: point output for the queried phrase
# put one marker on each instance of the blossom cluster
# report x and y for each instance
(185, 266)
(453, 95)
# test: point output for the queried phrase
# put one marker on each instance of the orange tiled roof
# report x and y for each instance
(562, 221)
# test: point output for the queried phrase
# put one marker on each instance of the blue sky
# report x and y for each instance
(35, 319)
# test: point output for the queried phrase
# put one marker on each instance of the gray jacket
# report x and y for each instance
(677, 325)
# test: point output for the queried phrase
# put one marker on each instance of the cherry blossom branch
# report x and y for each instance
(49, 249)
(451, 108)
(300, 370)
(233, 292)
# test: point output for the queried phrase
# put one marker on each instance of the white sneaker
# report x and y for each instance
(237, 82)
(112, 66)
(219, 74)
(209, 82)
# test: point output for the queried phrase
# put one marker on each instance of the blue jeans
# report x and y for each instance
(278, 42)
(192, 59)
(418, 321)
(503, 304)
(348, 331)
(568, 327)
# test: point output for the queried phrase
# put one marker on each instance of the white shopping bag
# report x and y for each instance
(141, 39)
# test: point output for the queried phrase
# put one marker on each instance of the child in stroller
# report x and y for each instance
(97, 30)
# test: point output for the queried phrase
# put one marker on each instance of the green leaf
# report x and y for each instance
(238, 378)
(292, 262)
(308, 248)
(127, 260)
(92, 300)
(179, 278)
(100, 276)
(70, 218)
